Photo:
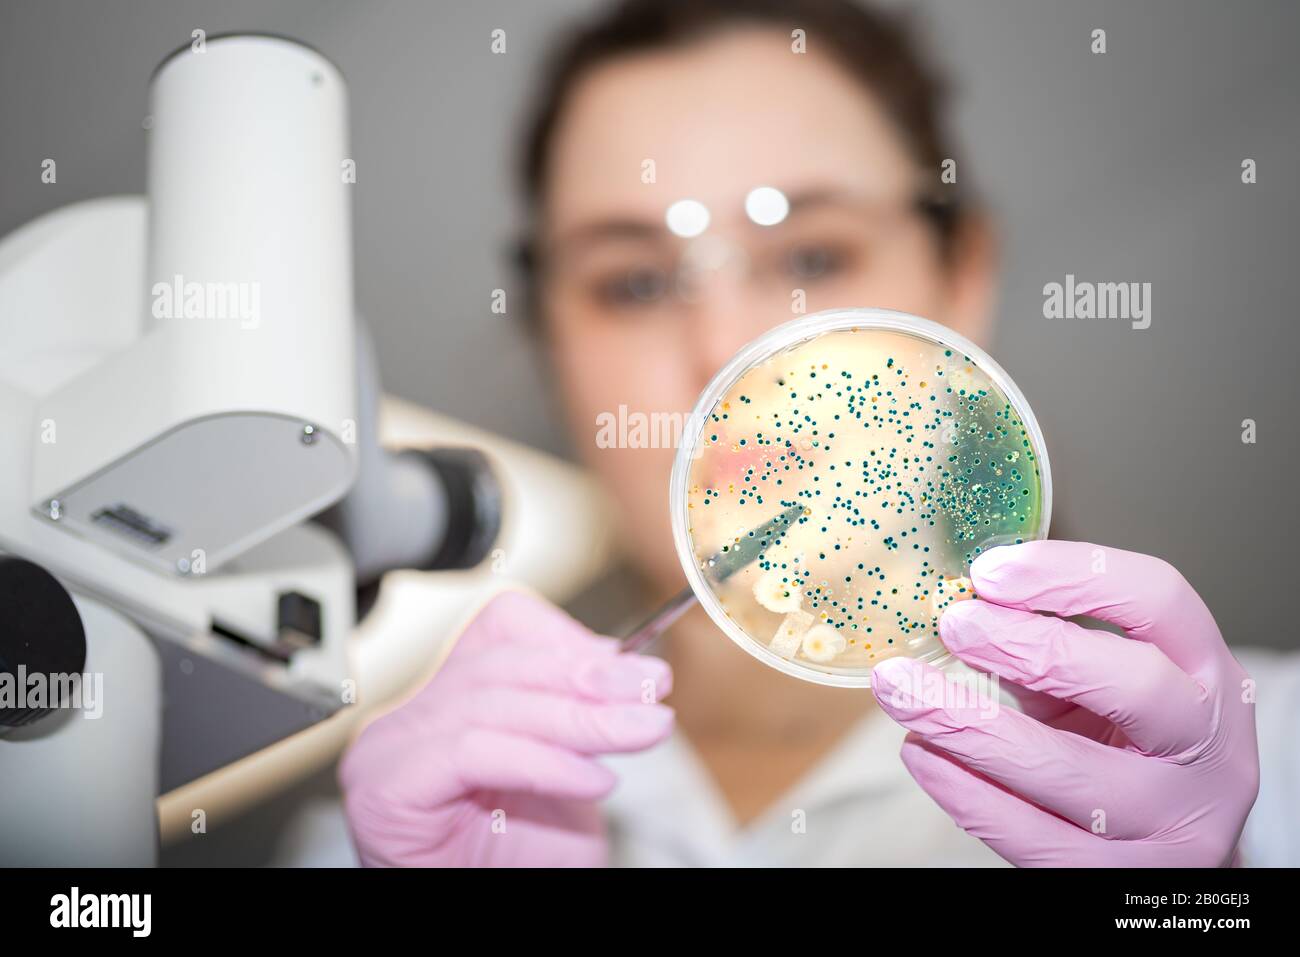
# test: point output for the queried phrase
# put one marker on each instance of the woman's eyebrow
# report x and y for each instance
(630, 226)
(821, 196)
(612, 227)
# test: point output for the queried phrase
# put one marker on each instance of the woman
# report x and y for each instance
(1129, 750)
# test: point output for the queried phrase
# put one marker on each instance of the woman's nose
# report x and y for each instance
(724, 316)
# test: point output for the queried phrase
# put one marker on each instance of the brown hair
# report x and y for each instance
(876, 47)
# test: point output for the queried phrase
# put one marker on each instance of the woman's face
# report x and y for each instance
(641, 318)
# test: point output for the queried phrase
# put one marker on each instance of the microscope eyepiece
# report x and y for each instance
(473, 506)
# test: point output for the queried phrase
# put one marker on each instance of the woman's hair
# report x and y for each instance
(875, 47)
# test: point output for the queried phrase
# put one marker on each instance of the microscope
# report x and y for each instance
(200, 473)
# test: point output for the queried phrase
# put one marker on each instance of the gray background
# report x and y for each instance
(1121, 167)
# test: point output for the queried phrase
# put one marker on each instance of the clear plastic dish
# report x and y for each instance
(837, 478)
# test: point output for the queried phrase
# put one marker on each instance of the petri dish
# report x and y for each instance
(837, 478)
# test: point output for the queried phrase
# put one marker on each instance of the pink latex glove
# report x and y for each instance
(492, 762)
(1131, 751)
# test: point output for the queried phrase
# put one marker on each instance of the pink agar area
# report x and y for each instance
(727, 462)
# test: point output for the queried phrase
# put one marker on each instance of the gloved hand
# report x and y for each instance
(1131, 751)
(492, 762)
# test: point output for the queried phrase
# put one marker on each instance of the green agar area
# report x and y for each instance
(907, 462)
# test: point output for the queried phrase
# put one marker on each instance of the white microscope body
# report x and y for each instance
(178, 395)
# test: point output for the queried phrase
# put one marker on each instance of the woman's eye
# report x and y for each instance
(814, 261)
(634, 287)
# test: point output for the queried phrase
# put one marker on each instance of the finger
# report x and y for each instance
(1023, 833)
(1145, 596)
(1020, 832)
(1160, 708)
(399, 771)
(1070, 775)
(597, 676)
(562, 720)
(1033, 703)
(517, 617)
(484, 759)
(1059, 713)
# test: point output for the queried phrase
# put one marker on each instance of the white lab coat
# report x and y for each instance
(858, 806)
(1272, 836)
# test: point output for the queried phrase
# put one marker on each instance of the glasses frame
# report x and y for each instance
(942, 210)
